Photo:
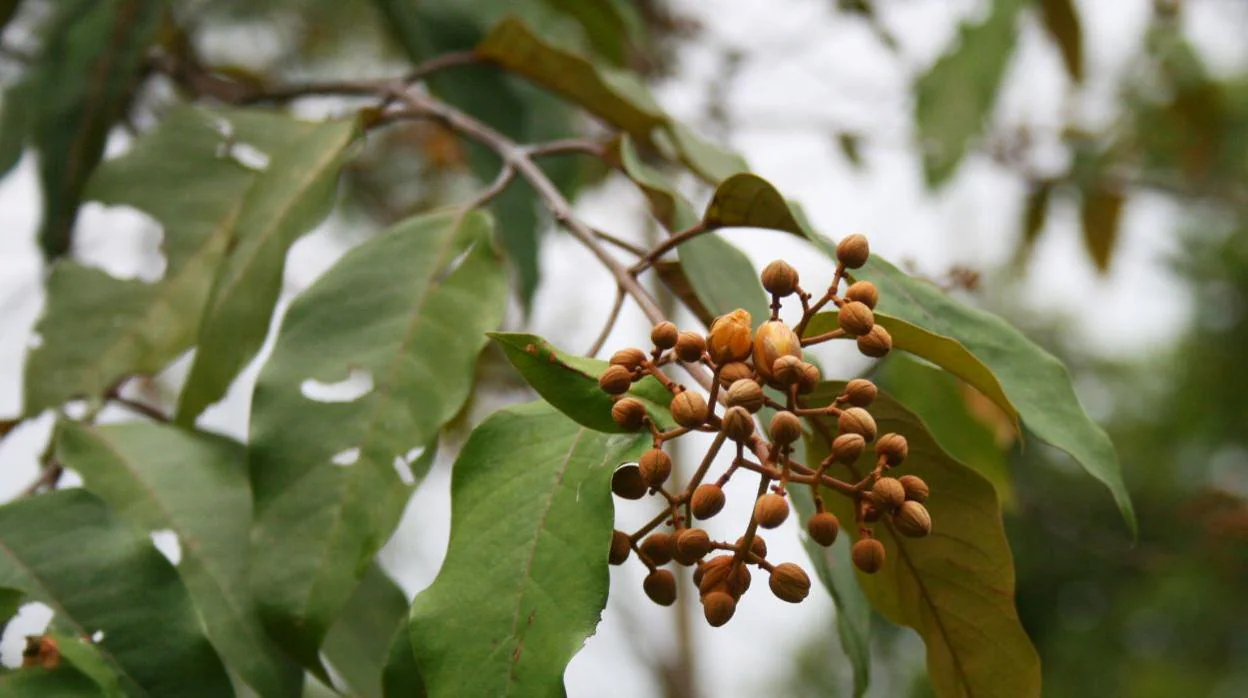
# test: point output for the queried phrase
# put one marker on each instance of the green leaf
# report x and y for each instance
(295, 192)
(619, 98)
(605, 23)
(667, 205)
(946, 352)
(1035, 213)
(401, 677)
(707, 160)
(10, 601)
(65, 681)
(723, 277)
(69, 551)
(161, 478)
(1101, 215)
(937, 398)
(570, 383)
(15, 112)
(358, 643)
(836, 571)
(957, 95)
(83, 80)
(525, 577)
(1061, 21)
(673, 276)
(98, 329)
(401, 308)
(85, 657)
(955, 586)
(749, 201)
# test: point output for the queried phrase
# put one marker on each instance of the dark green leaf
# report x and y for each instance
(606, 25)
(570, 383)
(324, 474)
(14, 124)
(295, 192)
(194, 485)
(358, 643)
(723, 277)
(401, 677)
(673, 276)
(82, 82)
(97, 574)
(7, 9)
(1101, 214)
(709, 161)
(749, 201)
(955, 586)
(957, 95)
(525, 577)
(10, 601)
(66, 681)
(1061, 20)
(1035, 212)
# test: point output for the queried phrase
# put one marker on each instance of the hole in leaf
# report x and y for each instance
(166, 541)
(123, 241)
(31, 619)
(97, 637)
(347, 457)
(358, 383)
(403, 467)
(70, 480)
(249, 156)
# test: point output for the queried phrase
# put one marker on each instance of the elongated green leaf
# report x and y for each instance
(401, 677)
(570, 383)
(358, 643)
(82, 81)
(723, 277)
(10, 600)
(673, 276)
(97, 574)
(1101, 214)
(15, 109)
(618, 98)
(324, 473)
(667, 205)
(709, 161)
(936, 397)
(525, 577)
(1035, 213)
(98, 329)
(957, 95)
(955, 586)
(946, 352)
(749, 201)
(1061, 21)
(1034, 381)
(65, 681)
(161, 478)
(295, 193)
(82, 654)
(835, 570)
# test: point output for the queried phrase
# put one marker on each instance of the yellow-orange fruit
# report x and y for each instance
(770, 510)
(689, 408)
(853, 251)
(789, 582)
(629, 413)
(773, 340)
(876, 343)
(916, 488)
(786, 371)
(745, 393)
(823, 528)
(659, 546)
(856, 318)
(718, 607)
(860, 392)
(629, 358)
(655, 467)
(758, 546)
(785, 427)
(868, 555)
(689, 346)
(887, 494)
(616, 380)
(847, 447)
(855, 420)
(734, 371)
(807, 377)
(664, 335)
(779, 278)
(863, 292)
(738, 425)
(730, 338)
(707, 500)
(691, 545)
(893, 448)
(913, 520)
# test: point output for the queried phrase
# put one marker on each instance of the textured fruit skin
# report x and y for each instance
(660, 586)
(718, 607)
(692, 544)
(629, 413)
(786, 371)
(738, 425)
(689, 408)
(861, 392)
(876, 343)
(779, 278)
(771, 510)
(616, 380)
(730, 338)
(745, 393)
(855, 420)
(856, 318)
(758, 546)
(659, 547)
(785, 427)
(689, 346)
(714, 574)
(629, 358)
(655, 467)
(707, 501)
(734, 371)
(893, 448)
(789, 582)
(888, 494)
(823, 528)
(626, 483)
(853, 251)
(916, 488)
(620, 548)
(773, 340)
(868, 555)
(847, 447)
(807, 377)
(913, 520)
(664, 335)
(863, 292)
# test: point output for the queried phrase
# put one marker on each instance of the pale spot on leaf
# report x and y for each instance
(358, 383)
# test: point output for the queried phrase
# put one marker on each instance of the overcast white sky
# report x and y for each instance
(805, 68)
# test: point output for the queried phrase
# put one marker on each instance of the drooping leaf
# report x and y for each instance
(708, 160)
(957, 95)
(98, 329)
(1101, 215)
(617, 97)
(358, 643)
(82, 81)
(401, 677)
(946, 352)
(295, 192)
(723, 277)
(938, 398)
(570, 383)
(608, 25)
(667, 205)
(543, 537)
(324, 473)
(15, 108)
(1035, 213)
(193, 485)
(749, 201)
(1061, 21)
(835, 570)
(955, 586)
(69, 551)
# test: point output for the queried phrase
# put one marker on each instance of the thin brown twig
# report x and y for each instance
(141, 408)
(565, 146)
(622, 244)
(670, 243)
(505, 177)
